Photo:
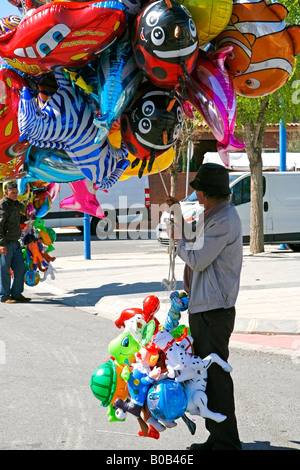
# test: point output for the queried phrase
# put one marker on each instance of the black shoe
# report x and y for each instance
(208, 445)
(22, 299)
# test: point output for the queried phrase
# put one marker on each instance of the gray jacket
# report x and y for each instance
(10, 217)
(216, 266)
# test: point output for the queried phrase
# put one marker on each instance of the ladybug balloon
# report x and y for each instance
(151, 124)
(165, 43)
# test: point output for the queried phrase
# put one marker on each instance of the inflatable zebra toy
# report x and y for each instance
(66, 123)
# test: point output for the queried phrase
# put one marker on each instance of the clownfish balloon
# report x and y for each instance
(264, 47)
(165, 43)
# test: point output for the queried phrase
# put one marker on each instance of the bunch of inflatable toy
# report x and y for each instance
(93, 92)
(37, 242)
(152, 372)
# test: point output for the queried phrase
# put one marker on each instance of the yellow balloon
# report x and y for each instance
(163, 161)
(210, 17)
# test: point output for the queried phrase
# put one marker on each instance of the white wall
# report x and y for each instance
(271, 161)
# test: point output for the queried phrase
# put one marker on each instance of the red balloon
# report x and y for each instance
(66, 34)
(165, 43)
(151, 306)
(12, 152)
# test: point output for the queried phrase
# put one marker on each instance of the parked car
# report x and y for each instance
(281, 205)
(125, 202)
(190, 209)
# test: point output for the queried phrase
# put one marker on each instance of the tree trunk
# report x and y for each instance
(256, 213)
(253, 134)
(173, 178)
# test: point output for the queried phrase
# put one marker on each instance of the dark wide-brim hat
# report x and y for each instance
(212, 178)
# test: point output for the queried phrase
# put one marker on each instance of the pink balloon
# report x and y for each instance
(83, 200)
(210, 90)
(53, 190)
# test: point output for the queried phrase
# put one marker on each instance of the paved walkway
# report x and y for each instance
(268, 306)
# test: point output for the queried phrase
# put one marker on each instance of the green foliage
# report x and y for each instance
(293, 16)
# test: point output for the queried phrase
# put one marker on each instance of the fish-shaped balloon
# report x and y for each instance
(211, 91)
(118, 80)
(67, 34)
(50, 165)
(66, 123)
(263, 47)
(83, 199)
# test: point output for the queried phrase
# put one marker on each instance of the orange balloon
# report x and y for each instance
(263, 47)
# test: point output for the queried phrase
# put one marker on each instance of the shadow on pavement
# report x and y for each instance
(265, 445)
(86, 297)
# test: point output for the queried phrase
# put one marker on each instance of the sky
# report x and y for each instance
(7, 9)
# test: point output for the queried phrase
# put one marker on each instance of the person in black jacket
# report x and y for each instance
(11, 256)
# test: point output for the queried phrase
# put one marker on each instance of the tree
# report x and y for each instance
(293, 144)
(188, 129)
(253, 114)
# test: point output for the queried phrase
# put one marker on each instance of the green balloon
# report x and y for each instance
(104, 382)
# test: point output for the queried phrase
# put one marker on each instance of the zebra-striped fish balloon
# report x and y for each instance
(66, 123)
(118, 80)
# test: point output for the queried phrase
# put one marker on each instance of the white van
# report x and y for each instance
(126, 201)
(281, 206)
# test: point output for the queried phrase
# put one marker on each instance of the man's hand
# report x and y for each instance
(170, 201)
(3, 250)
(174, 228)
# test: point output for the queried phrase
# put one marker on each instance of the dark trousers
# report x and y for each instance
(211, 332)
(12, 260)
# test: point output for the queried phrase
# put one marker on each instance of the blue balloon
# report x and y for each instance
(118, 80)
(52, 166)
(167, 400)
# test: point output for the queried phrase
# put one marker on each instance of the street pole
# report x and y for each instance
(87, 236)
(282, 145)
(190, 151)
(282, 149)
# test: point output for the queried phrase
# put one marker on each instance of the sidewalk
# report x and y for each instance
(268, 306)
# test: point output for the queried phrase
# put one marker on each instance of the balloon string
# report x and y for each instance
(162, 180)
(170, 283)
